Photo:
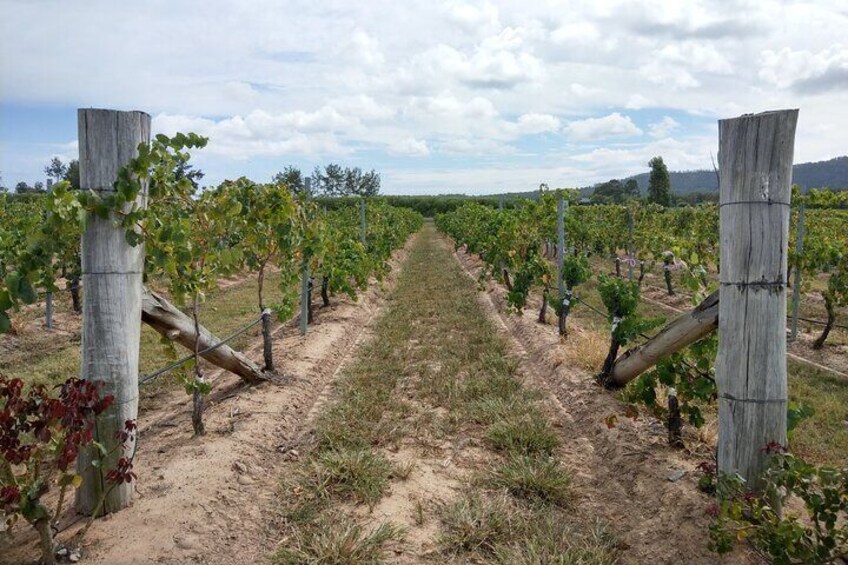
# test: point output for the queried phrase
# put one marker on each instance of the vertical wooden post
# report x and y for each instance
(755, 164)
(304, 298)
(112, 277)
(48, 310)
(796, 285)
(267, 351)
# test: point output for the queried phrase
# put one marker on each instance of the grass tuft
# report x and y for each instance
(489, 410)
(337, 540)
(355, 475)
(477, 524)
(552, 540)
(535, 479)
(530, 434)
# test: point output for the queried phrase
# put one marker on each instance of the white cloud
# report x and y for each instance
(663, 127)
(533, 123)
(477, 82)
(263, 134)
(499, 61)
(595, 129)
(473, 17)
(637, 102)
(805, 70)
(410, 147)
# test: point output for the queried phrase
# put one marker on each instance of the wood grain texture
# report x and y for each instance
(158, 313)
(755, 160)
(681, 332)
(112, 277)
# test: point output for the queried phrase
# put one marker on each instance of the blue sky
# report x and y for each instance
(444, 96)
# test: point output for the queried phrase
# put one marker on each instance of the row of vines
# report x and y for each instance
(192, 238)
(619, 245)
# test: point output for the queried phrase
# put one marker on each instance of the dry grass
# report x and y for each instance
(337, 540)
(535, 479)
(584, 349)
(494, 529)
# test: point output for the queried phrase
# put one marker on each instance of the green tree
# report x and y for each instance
(56, 170)
(615, 192)
(659, 183)
(292, 178)
(334, 180)
(358, 183)
(72, 174)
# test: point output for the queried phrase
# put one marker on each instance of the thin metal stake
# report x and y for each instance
(560, 245)
(796, 289)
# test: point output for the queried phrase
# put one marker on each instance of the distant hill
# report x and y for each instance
(822, 174)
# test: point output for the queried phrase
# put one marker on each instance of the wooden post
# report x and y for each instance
(755, 167)
(675, 422)
(683, 331)
(796, 285)
(112, 277)
(48, 311)
(267, 351)
(304, 298)
(175, 325)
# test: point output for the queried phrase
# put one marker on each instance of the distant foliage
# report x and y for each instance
(334, 180)
(659, 183)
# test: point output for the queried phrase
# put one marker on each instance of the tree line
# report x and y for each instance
(616, 191)
(331, 180)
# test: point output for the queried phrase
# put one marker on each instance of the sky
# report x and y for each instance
(438, 96)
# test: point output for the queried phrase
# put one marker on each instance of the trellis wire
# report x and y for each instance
(149, 377)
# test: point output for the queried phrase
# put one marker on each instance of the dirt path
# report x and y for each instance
(471, 445)
(207, 500)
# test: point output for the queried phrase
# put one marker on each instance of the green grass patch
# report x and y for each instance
(497, 529)
(823, 437)
(338, 540)
(535, 479)
(530, 434)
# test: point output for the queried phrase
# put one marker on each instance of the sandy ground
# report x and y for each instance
(206, 500)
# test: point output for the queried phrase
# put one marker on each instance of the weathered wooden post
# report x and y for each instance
(755, 160)
(112, 277)
(48, 310)
(267, 350)
(304, 298)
